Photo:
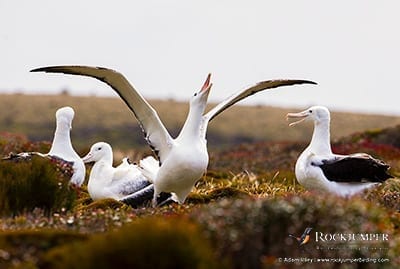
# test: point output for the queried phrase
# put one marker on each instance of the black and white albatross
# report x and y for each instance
(319, 168)
(183, 160)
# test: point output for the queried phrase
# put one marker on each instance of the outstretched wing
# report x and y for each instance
(155, 133)
(354, 168)
(242, 94)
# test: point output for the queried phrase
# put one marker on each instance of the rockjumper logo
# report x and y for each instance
(304, 238)
(350, 237)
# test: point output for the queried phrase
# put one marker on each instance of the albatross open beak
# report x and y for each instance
(301, 116)
(207, 85)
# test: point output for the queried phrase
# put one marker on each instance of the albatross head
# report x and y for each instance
(315, 113)
(99, 151)
(199, 99)
(64, 116)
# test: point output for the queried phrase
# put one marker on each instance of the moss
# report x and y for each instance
(37, 183)
(149, 243)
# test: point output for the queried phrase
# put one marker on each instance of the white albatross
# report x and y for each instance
(183, 160)
(318, 168)
(61, 147)
(106, 181)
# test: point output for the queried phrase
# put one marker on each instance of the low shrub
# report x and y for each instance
(148, 243)
(11, 142)
(23, 249)
(255, 233)
(35, 183)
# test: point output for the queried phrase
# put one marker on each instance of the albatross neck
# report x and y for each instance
(191, 128)
(320, 141)
(62, 140)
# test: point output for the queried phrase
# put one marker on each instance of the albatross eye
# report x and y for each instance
(99, 148)
(195, 94)
(310, 111)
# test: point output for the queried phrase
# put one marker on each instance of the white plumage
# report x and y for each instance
(182, 161)
(319, 168)
(106, 181)
(61, 146)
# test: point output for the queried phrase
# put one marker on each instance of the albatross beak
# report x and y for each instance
(207, 85)
(301, 116)
(87, 158)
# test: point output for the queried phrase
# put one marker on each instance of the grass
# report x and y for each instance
(239, 215)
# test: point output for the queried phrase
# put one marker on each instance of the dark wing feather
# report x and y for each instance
(156, 134)
(355, 168)
(261, 86)
(242, 94)
(129, 187)
(145, 196)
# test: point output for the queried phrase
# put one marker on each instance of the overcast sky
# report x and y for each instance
(166, 48)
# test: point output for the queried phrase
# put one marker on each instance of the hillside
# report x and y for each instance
(108, 119)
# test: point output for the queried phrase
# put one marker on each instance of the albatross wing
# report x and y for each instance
(242, 94)
(354, 168)
(155, 132)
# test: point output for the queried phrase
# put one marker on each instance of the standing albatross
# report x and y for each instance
(62, 146)
(319, 168)
(183, 160)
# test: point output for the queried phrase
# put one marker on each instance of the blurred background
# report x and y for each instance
(166, 48)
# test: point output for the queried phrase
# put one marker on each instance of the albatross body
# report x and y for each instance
(62, 147)
(182, 161)
(106, 181)
(318, 168)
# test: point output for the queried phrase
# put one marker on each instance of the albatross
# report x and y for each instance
(319, 168)
(120, 183)
(61, 147)
(181, 160)
(106, 181)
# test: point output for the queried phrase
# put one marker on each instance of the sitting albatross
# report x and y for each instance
(319, 168)
(121, 182)
(106, 181)
(61, 148)
(183, 160)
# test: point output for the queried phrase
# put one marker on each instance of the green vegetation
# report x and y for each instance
(27, 185)
(150, 243)
(239, 215)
